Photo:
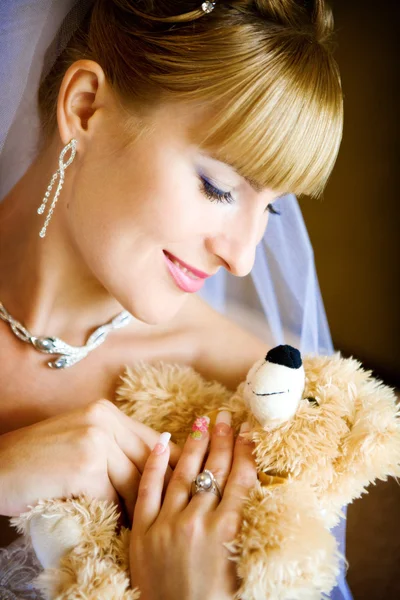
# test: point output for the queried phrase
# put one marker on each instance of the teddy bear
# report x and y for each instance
(323, 429)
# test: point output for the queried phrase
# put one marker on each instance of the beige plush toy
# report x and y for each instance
(323, 429)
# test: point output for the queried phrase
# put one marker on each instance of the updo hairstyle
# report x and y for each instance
(265, 68)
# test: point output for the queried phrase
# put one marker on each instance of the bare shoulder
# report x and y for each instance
(225, 350)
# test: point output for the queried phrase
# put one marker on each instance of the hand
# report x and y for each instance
(176, 546)
(96, 450)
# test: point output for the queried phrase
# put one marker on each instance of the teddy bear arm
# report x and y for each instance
(283, 549)
(77, 543)
(371, 449)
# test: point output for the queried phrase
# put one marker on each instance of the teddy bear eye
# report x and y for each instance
(313, 401)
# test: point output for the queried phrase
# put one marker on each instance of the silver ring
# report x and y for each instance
(205, 482)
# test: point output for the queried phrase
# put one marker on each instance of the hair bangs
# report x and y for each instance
(282, 129)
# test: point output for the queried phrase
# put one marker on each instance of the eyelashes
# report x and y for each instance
(273, 210)
(216, 195)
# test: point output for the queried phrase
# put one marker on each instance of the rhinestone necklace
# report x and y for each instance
(69, 355)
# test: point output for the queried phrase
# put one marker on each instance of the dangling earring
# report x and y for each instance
(60, 172)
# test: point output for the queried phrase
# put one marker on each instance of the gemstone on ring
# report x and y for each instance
(204, 480)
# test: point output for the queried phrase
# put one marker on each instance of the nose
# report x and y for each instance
(236, 243)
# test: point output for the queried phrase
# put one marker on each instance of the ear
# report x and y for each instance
(371, 449)
(83, 93)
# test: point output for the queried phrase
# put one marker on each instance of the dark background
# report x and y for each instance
(354, 230)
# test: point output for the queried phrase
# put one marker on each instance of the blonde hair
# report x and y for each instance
(265, 67)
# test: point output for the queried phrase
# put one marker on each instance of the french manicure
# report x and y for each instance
(200, 428)
(223, 423)
(244, 429)
(162, 443)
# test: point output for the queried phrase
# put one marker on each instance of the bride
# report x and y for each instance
(169, 133)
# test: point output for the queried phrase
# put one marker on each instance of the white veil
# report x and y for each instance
(280, 300)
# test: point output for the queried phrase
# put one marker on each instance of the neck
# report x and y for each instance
(44, 283)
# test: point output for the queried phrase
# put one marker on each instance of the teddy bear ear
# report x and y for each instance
(371, 448)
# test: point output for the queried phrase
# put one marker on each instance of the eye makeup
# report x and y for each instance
(216, 195)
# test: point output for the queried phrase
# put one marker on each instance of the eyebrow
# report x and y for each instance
(256, 187)
(253, 184)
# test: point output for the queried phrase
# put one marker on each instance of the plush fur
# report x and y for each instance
(344, 435)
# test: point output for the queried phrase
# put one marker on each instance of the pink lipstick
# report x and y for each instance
(186, 278)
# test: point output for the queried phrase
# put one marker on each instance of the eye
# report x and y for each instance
(213, 193)
(216, 195)
(272, 210)
(313, 401)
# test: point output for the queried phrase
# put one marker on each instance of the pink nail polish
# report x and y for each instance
(200, 428)
(223, 423)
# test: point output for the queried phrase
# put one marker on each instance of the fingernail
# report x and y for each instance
(200, 428)
(223, 423)
(162, 443)
(244, 428)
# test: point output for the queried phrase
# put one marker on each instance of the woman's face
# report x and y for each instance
(137, 206)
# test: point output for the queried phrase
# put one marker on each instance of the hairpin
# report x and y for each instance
(207, 7)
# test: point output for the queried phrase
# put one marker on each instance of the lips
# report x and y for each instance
(196, 272)
(185, 277)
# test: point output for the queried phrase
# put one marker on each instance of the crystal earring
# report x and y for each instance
(60, 172)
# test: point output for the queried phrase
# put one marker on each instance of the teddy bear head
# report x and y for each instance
(323, 420)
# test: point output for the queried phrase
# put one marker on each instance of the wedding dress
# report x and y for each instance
(18, 568)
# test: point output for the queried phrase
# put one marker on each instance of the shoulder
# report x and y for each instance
(225, 350)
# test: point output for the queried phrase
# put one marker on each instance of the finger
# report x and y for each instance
(127, 458)
(243, 475)
(189, 465)
(101, 489)
(150, 490)
(101, 412)
(124, 476)
(134, 448)
(219, 462)
(148, 435)
(168, 475)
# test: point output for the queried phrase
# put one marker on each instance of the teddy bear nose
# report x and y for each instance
(285, 355)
